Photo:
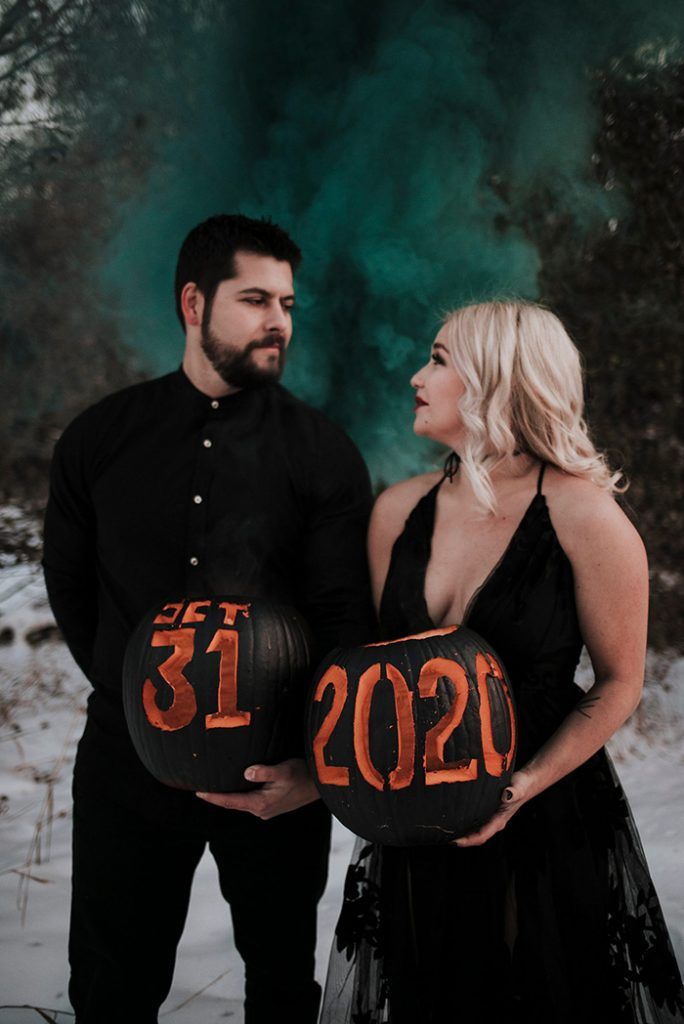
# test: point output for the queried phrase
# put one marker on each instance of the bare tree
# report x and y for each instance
(32, 32)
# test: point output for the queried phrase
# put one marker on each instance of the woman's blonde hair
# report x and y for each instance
(523, 392)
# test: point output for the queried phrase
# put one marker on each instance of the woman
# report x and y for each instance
(547, 914)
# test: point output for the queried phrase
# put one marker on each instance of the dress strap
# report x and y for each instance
(451, 464)
(540, 478)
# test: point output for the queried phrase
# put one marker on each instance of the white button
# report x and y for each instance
(206, 442)
(215, 404)
(197, 499)
(194, 561)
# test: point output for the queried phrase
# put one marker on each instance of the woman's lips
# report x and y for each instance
(420, 403)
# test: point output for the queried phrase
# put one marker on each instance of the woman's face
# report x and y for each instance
(439, 390)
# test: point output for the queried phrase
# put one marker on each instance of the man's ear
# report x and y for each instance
(192, 304)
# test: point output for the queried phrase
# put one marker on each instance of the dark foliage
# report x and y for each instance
(79, 127)
(619, 287)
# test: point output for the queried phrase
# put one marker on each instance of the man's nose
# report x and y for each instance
(277, 319)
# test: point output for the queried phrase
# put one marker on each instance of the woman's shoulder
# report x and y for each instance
(390, 512)
(393, 506)
(399, 499)
(585, 515)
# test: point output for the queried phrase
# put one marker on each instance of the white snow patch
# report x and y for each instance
(42, 709)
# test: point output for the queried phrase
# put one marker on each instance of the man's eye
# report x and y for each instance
(254, 302)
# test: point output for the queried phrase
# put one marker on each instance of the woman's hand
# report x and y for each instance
(519, 791)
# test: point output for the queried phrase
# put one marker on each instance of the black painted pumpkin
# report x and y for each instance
(211, 686)
(412, 742)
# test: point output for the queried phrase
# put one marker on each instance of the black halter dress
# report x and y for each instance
(554, 920)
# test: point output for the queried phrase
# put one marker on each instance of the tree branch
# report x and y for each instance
(37, 32)
(13, 15)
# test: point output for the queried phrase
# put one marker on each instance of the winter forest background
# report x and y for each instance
(422, 155)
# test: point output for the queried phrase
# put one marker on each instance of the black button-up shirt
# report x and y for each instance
(159, 492)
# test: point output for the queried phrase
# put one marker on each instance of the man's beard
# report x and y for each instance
(235, 366)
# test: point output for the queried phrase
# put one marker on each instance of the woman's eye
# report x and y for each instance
(434, 358)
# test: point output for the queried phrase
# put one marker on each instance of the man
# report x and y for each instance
(210, 480)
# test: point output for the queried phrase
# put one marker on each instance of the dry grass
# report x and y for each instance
(39, 848)
(44, 1012)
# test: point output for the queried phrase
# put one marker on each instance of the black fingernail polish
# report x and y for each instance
(508, 794)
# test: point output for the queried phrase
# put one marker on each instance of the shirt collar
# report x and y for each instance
(214, 406)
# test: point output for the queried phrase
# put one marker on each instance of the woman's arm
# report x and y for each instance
(611, 592)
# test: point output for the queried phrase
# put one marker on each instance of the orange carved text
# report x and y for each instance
(225, 641)
(495, 762)
(402, 774)
(184, 705)
(230, 611)
(172, 610)
(436, 770)
(331, 775)
(194, 611)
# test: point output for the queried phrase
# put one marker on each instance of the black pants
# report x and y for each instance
(131, 887)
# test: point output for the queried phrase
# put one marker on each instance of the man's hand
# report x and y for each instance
(286, 786)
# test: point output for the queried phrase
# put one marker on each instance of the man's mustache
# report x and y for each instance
(268, 342)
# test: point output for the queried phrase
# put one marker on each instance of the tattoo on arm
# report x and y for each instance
(583, 705)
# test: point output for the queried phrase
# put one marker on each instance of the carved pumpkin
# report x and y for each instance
(412, 742)
(212, 686)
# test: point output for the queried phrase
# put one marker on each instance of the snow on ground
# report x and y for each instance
(42, 700)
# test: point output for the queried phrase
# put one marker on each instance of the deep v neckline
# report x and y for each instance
(537, 498)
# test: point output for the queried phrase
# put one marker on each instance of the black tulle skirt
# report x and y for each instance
(554, 920)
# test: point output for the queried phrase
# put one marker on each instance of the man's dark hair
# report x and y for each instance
(207, 255)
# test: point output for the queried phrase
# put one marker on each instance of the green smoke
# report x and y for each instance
(379, 136)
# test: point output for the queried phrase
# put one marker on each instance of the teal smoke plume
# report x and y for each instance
(372, 132)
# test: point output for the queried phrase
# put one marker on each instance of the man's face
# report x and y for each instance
(246, 331)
